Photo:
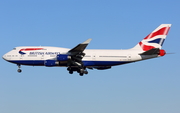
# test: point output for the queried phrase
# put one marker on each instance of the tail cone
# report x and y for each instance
(162, 52)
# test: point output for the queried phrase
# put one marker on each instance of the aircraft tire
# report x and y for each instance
(19, 70)
(68, 68)
(85, 72)
(81, 74)
(70, 72)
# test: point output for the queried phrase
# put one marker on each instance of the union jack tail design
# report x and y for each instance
(154, 39)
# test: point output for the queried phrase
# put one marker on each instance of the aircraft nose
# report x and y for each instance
(4, 57)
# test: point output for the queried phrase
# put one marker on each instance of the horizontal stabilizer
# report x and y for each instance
(153, 51)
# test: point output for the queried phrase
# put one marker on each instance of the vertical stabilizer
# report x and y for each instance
(155, 39)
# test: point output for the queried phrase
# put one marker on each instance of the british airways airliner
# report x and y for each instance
(80, 59)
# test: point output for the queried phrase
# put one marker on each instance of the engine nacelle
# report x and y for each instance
(162, 52)
(50, 63)
(63, 57)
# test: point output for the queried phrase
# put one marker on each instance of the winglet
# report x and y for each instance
(87, 41)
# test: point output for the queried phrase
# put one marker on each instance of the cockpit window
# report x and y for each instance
(14, 48)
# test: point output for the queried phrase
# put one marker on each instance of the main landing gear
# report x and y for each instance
(19, 70)
(81, 71)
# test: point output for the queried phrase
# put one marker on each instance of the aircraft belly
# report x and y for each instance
(104, 63)
(28, 62)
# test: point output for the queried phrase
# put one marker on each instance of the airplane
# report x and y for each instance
(80, 59)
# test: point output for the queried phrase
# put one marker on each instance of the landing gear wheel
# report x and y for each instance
(70, 72)
(85, 72)
(81, 74)
(69, 68)
(19, 70)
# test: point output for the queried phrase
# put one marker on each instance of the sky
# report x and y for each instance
(150, 86)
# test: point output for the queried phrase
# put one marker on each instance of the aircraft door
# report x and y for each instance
(94, 57)
(129, 57)
(42, 57)
(21, 56)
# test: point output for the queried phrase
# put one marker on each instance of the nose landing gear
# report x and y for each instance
(19, 70)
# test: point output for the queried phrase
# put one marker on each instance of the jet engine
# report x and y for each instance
(50, 63)
(63, 57)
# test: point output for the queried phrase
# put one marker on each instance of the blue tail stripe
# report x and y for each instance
(155, 41)
(162, 42)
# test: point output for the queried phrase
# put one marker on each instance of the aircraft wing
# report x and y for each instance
(76, 54)
(79, 48)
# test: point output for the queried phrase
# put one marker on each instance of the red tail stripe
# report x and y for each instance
(145, 47)
(162, 31)
(31, 49)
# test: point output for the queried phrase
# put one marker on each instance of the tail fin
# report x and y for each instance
(154, 39)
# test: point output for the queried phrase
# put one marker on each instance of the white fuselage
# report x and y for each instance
(79, 58)
(93, 57)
